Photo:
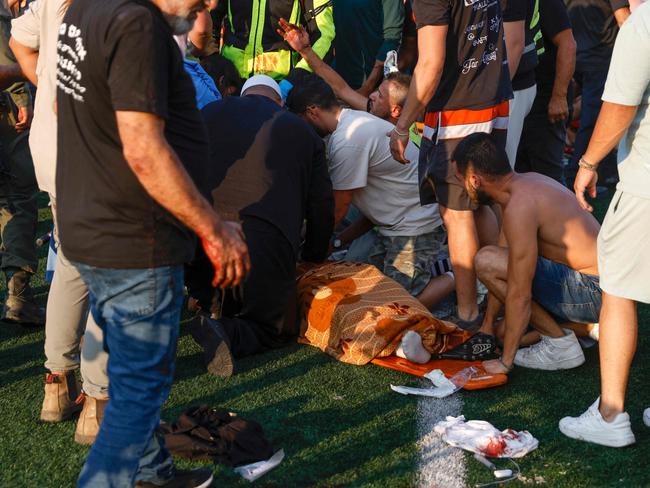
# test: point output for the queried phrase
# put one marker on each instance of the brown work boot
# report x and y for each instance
(63, 397)
(20, 306)
(90, 419)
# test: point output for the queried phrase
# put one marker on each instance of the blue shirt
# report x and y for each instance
(206, 89)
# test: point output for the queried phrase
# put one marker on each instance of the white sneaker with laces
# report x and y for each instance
(646, 417)
(591, 427)
(551, 354)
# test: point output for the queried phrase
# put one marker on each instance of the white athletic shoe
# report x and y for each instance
(552, 354)
(591, 427)
(646, 417)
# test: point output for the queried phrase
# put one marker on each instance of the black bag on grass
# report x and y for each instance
(215, 434)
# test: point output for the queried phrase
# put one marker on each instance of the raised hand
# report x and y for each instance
(296, 36)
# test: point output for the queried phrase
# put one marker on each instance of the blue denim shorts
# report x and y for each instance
(568, 295)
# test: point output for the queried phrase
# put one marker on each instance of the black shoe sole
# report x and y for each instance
(206, 332)
(22, 323)
(222, 364)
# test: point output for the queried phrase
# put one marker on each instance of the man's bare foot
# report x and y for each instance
(496, 366)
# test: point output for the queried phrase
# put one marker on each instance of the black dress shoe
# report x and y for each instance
(209, 334)
(196, 478)
(479, 348)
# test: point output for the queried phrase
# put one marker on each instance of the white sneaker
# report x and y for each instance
(591, 427)
(646, 417)
(552, 353)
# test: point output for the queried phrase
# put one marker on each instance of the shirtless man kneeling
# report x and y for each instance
(548, 273)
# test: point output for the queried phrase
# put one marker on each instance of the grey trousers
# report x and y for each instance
(67, 319)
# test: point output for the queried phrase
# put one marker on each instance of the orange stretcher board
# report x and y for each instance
(449, 367)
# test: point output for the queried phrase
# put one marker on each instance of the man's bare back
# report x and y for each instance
(566, 234)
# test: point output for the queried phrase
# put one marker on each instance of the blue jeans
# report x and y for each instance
(593, 84)
(568, 295)
(139, 312)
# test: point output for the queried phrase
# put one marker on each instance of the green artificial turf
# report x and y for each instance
(536, 401)
(339, 425)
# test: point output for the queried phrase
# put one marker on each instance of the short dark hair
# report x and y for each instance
(487, 157)
(312, 90)
(223, 72)
(402, 83)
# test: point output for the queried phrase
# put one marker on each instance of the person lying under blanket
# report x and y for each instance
(354, 313)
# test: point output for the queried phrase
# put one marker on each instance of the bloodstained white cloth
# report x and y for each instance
(483, 438)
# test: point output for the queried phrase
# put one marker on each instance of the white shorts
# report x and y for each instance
(520, 107)
(624, 248)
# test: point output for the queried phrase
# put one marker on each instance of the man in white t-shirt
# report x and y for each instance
(624, 239)
(364, 174)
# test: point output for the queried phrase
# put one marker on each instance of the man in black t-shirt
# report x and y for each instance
(542, 143)
(595, 25)
(462, 73)
(131, 143)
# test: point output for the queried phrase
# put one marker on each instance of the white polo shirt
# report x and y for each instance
(628, 83)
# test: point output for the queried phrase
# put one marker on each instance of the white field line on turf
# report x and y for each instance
(439, 465)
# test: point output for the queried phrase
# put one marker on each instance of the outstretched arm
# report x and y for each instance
(426, 77)
(298, 39)
(520, 229)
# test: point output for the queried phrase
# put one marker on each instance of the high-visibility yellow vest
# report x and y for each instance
(252, 44)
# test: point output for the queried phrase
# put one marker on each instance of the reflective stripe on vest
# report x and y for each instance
(253, 60)
(537, 37)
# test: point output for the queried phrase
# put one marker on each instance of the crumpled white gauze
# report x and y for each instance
(256, 470)
(442, 386)
(483, 438)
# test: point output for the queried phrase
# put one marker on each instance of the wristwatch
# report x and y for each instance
(583, 163)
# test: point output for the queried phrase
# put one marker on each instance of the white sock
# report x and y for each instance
(413, 349)
(594, 333)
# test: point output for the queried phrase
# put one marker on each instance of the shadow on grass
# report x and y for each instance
(313, 408)
(16, 353)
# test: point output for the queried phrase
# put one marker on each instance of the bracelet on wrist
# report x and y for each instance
(583, 163)
(400, 134)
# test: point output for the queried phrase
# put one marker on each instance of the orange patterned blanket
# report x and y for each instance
(355, 313)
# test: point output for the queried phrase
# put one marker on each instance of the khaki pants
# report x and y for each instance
(66, 320)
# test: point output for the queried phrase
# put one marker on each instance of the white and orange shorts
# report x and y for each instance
(442, 133)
